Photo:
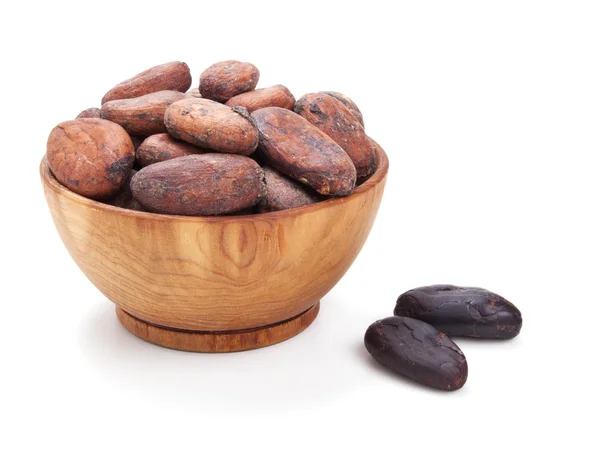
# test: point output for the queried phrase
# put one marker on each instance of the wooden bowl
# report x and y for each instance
(216, 284)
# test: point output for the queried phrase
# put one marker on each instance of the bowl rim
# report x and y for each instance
(379, 175)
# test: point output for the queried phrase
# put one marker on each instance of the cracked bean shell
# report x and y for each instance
(90, 156)
(207, 184)
(284, 193)
(333, 118)
(162, 147)
(212, 125)
(276, 96)
(295, 147)
(462, 311)
(418, 351)
(170, 76)
(226, 79)
(349, 103)
(141, 115)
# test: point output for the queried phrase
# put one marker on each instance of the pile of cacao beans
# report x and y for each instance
(416, 342)
(222, 148)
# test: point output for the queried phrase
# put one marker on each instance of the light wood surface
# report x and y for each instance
(215, 273)
(218, 342)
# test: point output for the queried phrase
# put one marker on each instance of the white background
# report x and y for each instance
(490, 114)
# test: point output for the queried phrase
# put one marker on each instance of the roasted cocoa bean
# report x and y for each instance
(418, 351)
(170, 76)
(212, 125)
(90, 113)
(90, 156)
(162, 147)
(276, 96)
(141, 115)
(349, 103)
(296, 148)
(208, 184)
(284, 193)
(461, 311)
(226, 79)
(333, 118)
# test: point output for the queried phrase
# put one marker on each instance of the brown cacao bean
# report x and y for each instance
(296, 148)
(276, 96)
(90, 113)
(212, 125)
(284, 193)
(208, 184)
(226, 79)
(170, 76)
(141, 115)
(195, 92)
(333, 118)
(162, 147)
(349, 103)
(90, 156)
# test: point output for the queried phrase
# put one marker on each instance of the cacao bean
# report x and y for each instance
(141, 115)
(208, 184)
(461, 311)
(90, 156)
(296, 148)
(226, 79)
(349, 103)
(212, 125)
(276, 96)
(418, 351)
(195, 92)
(284, 193)
(90, 113)
(170, 76)
(162, 147)
(333, 118)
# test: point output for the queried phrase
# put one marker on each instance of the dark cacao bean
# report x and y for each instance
(417, 351)
(461, 311)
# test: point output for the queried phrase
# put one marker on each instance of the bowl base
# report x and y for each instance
(218, 342)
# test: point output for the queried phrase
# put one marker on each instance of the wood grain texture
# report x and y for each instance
(218, 342)
(216, 273)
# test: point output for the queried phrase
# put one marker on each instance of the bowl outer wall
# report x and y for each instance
(215, 273)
